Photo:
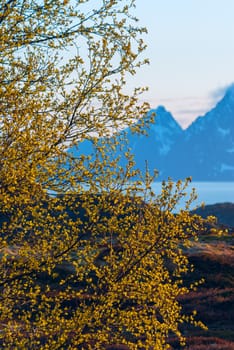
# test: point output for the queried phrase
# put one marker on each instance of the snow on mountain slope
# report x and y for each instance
(205, 150)
(161, 136)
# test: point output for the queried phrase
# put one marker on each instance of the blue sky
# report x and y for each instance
(191, 49)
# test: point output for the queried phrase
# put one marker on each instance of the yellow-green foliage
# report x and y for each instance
(85, 262)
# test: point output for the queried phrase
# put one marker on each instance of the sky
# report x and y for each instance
(191, 50)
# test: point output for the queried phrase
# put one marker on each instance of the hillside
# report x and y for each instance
(213, 260)
(224, 212)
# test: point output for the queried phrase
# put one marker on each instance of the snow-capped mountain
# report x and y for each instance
(160, 139)
(205, 150)
(151, 147)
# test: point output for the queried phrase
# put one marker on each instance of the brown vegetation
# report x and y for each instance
(213, 260)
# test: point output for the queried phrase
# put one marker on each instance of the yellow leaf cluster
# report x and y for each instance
(89, 256)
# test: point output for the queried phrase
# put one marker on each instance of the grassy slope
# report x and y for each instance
(213, 259)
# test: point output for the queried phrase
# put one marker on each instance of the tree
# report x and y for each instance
(86, 262)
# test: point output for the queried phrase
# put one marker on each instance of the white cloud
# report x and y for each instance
(218, 93)
(185, 109)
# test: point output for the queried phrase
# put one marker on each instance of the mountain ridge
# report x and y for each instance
(204, 150)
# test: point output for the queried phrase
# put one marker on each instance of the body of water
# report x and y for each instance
(208, 192)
